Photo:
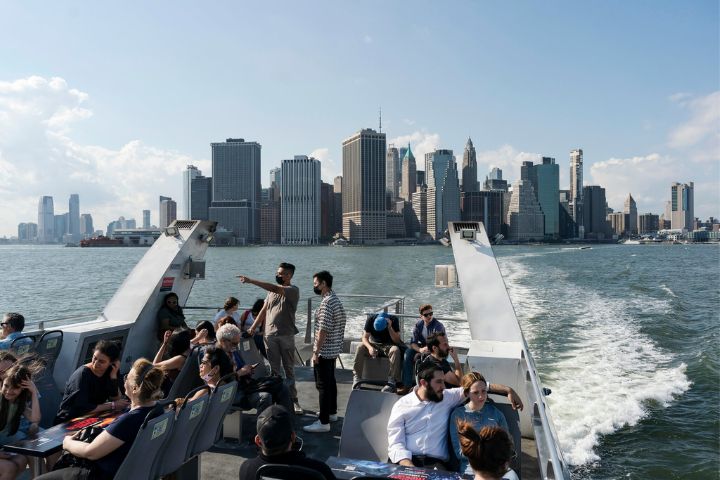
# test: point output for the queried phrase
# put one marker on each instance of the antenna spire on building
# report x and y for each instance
(380, 128)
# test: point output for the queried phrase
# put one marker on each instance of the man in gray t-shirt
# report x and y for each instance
(278, 315)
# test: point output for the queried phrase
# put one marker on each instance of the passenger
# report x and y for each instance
(12, 327)
(477, 412)
(418, 424)
(439, 349)
(329, 334)
(176, 346)
(276, 437)
(7, 360)
(109, 449)
(230, 309)
(204, 333)
(214, 365)
(381, 338)
(19, 411)
(226, 320)
(489, 451)
(278, 316)
(93, 388)
(251, 393)
(170, 316)
(425, 326)
(247, 319)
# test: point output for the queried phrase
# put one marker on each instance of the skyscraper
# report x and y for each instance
(630, 209)
(328, 211)
(565, 220)
(524, 216)
(337, 202)
(594, 213)
(363, 189)
(546, 182)
(168, 211)
(576, 190)
(46, 220)
(485, 206)
(146, 219)
(648, 223)
(86, 225)
(469, 168)
(423, 209)
(236, 188)
(409, 175)
(494, 181)
(74, 217)
(200, 197)
(189, 174)
(275, 182)
(682, 198)
(393, 173)
(300, 207)
(60, 226)
(442, 175)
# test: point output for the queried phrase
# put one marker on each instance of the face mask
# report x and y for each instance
(317, 291)
(279, 279)
(207, 377)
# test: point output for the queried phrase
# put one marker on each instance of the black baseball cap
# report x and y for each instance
(275, 427)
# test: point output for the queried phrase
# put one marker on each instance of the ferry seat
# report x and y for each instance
(149, 444)
(364, 432)
(271, 471)
(23, 345)
(513, 420)
(372, 368)
(189, 376)
(251, 355)
(209, 431)
(189, 417)
(48, 348)
(49, 399)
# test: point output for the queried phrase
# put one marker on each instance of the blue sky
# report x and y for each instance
(111, 101)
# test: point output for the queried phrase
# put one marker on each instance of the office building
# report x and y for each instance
(328, 212)
(396, 225)
(648, 223)
(87, 229)
(74, 217)
(167, 211)
(595, 213)
(546, 183)
(200, 197)
(617, 223)
(27, 232)
(525, 218)
(419, 179)
(60, 226)
(409, 175)
(682, 199)
(469, 169)
(576, 191)
(484, 206)
(393, 173)
(423, 209)
(566, 224)
(190, 173)
(442, 175)
(46, 220)
(494, 181)
(146, 219)
(337, 202)
(300, 221)
(236, 188)
(363, 188)
(269, 222)
(275, 182)
(630, 209)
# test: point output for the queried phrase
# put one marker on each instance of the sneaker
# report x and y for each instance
(298, 409)
(333, 417)
(388, 388)
(317, 427)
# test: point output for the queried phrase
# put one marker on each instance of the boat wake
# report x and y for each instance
(667, 290)
(604, 373)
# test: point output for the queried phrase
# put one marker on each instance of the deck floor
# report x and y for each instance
(224, 460)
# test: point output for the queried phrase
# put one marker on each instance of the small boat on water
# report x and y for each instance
(101, 242)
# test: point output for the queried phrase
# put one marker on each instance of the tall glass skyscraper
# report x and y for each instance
(189, 174)
(442, 175)
(46, 220)
(546, 182)
(682, 200)
(300, 208)
(74, 217)
(576, 191)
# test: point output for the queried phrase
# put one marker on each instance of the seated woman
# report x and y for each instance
(93, 388)
(204, 333)
(170, 316)
(230, 309)
(109, 449)
(171, 356)
(19, 409)
(214, 365)
(489, 451)
(477, 412)
(246, 320)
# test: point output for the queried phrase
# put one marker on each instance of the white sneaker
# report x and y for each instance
(333, 417)
(298, 409)
(317, 427)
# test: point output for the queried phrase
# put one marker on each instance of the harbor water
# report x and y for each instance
(627, 337)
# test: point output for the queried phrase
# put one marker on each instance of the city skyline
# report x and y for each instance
(523, 81)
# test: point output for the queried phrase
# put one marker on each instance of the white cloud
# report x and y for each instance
(38, 156)
(703, 124)
(421, 142)
(507, 158)
(329, 168)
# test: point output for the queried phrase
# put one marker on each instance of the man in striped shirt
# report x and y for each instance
(329, 334)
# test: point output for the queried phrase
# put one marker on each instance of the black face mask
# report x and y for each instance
(317, 290)
(279, 279)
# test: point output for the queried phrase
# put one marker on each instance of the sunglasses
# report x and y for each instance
(427, 314)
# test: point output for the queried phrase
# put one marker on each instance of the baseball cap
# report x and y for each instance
(275, 427)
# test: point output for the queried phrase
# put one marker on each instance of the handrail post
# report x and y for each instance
(308, 326)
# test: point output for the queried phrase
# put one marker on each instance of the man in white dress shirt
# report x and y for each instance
(418, 424)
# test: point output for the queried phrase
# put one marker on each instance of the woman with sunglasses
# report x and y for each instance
(108, 450)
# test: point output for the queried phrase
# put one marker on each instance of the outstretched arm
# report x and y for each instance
(270, 287)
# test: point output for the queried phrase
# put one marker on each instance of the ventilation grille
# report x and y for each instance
(185, 224)
(466, 226)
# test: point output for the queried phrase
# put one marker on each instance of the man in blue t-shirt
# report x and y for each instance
(424, 327)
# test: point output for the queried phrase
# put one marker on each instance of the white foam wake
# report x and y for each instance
(606, 372)
(667, 290)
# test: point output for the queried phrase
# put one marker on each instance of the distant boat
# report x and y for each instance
(586, 248)
(101, 242)
(631, 242)
(340, 242)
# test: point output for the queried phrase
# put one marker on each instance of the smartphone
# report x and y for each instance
(254, 365)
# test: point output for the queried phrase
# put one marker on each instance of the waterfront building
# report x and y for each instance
(595, 213)
(190, 173)
(236, 188)
(168, 211)
(409, 175)
(86, 225)
(648, 223)
(363, 187)
(525, 218)
(442, 175)
(146, 219)
(630, 209)
(546, 182)
(300, 207)
(576, 191)
(396, 225)
(484, 206)
(74, 217)
(682, 198)
(269, 222)
(46, 220)
(423, 209)
(27, 232)
(60, 226)
(566, 223)
(617, 223)
(200, 197)
(337, 202)
(393, 173)
(494, 181)
(328, 211)
(469, 168)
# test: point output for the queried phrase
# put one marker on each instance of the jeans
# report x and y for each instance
(327, 388)
(408, 375)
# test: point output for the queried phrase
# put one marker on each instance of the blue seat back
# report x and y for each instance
(142, 460)
(23, 345)
(209, 430)
(48, 348)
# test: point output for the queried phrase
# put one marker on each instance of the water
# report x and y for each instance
(625, 336)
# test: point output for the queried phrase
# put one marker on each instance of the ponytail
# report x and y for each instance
(489, 451)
